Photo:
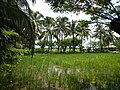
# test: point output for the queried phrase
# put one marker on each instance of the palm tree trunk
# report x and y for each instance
(90, 42)
(81, 43)
(108, 45)
(58, 48)
(73, 42)
(101, 46)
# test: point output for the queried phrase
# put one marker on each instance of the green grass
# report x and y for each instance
(68, 72)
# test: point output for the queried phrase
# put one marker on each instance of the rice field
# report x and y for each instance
(92, 71)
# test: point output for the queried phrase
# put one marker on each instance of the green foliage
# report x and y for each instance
(15, 24)
(94, 44)
(76, 41)
(45, 43)
(117, 42)
(98, 9)
(10, 33)
(10, 46)
(42, 43)
(84, 23)
(68, 43)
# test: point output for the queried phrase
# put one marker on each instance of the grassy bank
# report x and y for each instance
(99, 71)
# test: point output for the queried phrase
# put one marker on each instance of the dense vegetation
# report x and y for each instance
(16, 30)
(65, 71)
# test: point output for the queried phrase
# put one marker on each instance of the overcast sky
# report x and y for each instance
(44, 9)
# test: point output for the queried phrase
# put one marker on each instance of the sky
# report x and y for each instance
(44, 9)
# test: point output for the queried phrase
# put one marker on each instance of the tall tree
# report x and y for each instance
(37, 19)
(60, 29)
(47, 33)
(108, 37)
(100, 34)
(72, 31)
(61, 26)
(15, 22)
(82, 32)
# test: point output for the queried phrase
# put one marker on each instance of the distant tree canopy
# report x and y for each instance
(98, 9)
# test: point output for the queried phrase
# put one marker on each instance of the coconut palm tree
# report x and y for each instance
(15, 22)
(82, 32)
(100, 33)
(47, 32)
(60, 29)
(108, 37)
(15, 17)
(37, 19)
(72, 27)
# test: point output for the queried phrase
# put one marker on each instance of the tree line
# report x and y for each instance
(62, 34)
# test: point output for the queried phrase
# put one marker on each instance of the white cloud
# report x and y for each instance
(44, 9)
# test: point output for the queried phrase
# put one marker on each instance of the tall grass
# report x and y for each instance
(99, 71)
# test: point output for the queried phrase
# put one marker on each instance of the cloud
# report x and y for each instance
(44, 9)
